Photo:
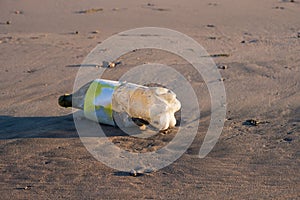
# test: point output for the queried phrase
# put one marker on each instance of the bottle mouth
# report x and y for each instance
(65, 100)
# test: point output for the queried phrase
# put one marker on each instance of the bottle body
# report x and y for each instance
(101, 99)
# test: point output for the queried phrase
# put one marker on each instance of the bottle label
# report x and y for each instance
(98, 101)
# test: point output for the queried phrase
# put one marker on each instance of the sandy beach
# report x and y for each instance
(257, 44)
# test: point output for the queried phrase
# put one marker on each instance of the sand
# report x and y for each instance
(42, 46)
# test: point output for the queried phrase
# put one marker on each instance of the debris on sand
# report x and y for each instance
(136, 173)
(222, 67)
(30, 71)
(288, 139)
(17, 12)
(253, 122)
(88, 11)
(291, 1)
(212, 4)
(219, 55)
(279, 7)
(212, 37)
(250, 122)
(210, 25)
(141, 172)
(95, 32)
(161, 9)
(106, 64)
(133, 173)
(28, 187)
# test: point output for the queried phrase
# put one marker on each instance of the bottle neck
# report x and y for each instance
(65, 100)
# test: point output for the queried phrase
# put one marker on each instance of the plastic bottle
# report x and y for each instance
(102, 99)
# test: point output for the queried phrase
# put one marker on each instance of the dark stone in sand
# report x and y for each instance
(250, 122)
(288, 139)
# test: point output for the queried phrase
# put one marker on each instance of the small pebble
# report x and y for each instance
(133, 173)
(28, 187)
(106, 64)
(279, 7)
(222, 67)
(243, 41)
(251, 122)
(76, 32)
(253, 41)
(212, 38)
(222, 79)
(18, 12)
(8, 22)
(95, 32)
(298, 35)
(288, 139)
(136, 172)
(210, 25)
(112, 65)
(31, 71)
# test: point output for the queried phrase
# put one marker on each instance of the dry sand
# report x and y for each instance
(41, 154)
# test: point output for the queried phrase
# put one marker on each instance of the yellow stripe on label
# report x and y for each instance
(98, 101)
